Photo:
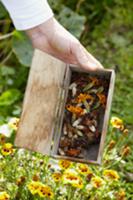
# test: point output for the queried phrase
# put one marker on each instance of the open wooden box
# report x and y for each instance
(44, 107)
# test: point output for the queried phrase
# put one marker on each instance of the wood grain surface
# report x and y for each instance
(40, 100)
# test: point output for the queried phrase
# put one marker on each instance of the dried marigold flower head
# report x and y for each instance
(94, 80)
(83, 97)
(102, 98)
(76, 110)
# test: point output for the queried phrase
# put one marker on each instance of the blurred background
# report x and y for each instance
(105, 28)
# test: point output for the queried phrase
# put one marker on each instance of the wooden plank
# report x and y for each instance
(40, 100)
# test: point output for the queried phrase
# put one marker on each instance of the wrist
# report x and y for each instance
(45, 29)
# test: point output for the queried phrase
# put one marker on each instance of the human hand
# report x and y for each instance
(52, 38)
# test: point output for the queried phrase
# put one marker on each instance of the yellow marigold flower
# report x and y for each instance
(111, 174)
(34, 186)
(78, 184)
(83, 169)
(45, 191)
(76, 110)
(121, 195)
(64, 164)
(83, 97)
(7, 149)
(4, 196)
(97, 181)
(57, 176)
(71, 177)
(111, 144)
(125, 151)
(13, 123)
(117, 123)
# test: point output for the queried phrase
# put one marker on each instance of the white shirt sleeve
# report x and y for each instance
(27, 14)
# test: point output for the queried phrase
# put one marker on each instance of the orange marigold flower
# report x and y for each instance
(76, 110)
(125, 151)
(111, 174)
(97, 182)
(64, 164)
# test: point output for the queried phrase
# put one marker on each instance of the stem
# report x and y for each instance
(3, 37)
(6, 58)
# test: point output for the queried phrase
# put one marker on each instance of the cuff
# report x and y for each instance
(28, 14)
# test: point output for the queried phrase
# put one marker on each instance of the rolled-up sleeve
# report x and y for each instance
(27, 14)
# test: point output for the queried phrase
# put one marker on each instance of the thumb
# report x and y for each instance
(85, 59)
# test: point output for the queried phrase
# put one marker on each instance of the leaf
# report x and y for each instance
(96, 105)
(22, 48)
(100, 89)
(3, 11)
(88, 86)
(9, 97)
(5, 70)
(71, 21)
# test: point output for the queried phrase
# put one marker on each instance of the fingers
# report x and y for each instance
(85, 59)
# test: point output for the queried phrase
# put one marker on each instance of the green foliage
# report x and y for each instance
(71, 21)
(22, 48)
(9, 97)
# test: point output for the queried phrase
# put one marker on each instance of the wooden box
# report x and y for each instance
(44, 113)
